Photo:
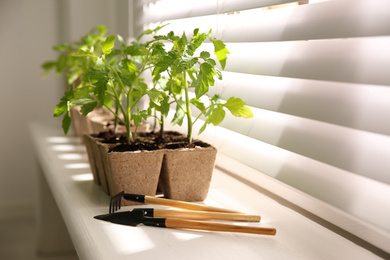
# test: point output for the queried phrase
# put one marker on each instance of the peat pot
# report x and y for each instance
(186, 172)
(180, 173)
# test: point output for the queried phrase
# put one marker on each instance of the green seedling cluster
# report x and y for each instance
(115, 78)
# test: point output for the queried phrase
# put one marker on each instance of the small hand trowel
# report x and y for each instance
(136, 217)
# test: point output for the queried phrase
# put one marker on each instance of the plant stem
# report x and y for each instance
(116, 118)
(188, 109)
(162, 128)
(203, 112)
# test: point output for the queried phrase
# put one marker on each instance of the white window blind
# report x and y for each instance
(317, 76)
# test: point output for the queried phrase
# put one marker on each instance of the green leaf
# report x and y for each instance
(237, 107)
(198, 104)
(164, 63)
(186, 64)
(64, 102)
(82, 91)
(60, 109)
(108, 44)
(48, 66)
(99, 64)
(221, 52)
(211, 62)
(66, 121)
(246, 112)
(164, 108)
(62, 63)
(204, 55)
(82, 53)
(204, 80)
(217, 115)
(131, 66)
(136, 49)
(88, 107)
(204, 126)
(155, 96)
(82, 101)
(102, 29)
(121, 42)
(179, 115)
(62, 47)
(150, 31)
(137, 119)
(100, 90)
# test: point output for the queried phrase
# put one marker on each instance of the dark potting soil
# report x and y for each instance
(109, 137)
(149, 141)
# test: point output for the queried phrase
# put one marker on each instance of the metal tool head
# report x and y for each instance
(129, 218)
(116, 200)
(133, 218)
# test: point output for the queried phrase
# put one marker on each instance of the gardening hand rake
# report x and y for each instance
(193, 211)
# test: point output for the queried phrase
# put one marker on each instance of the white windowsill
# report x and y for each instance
(65, 166)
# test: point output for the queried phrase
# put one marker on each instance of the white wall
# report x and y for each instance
(28, 30)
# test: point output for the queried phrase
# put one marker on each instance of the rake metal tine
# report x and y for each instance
(115, 202)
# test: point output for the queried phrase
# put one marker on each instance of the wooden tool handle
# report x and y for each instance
(190, 214)
(211, 226)
(185, 205)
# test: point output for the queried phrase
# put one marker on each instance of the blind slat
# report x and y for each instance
(357, 60)
(326, 101)
(305, 22)
(176, 9)
(356, 151)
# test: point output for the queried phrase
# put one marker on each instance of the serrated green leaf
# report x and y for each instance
(204, 80)
(155, 96)
(186, 64)
(108, 44)
(198, 104)
(237, 107)
(221, 52)
(88, 107)
(158, 49)
(217, 115)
